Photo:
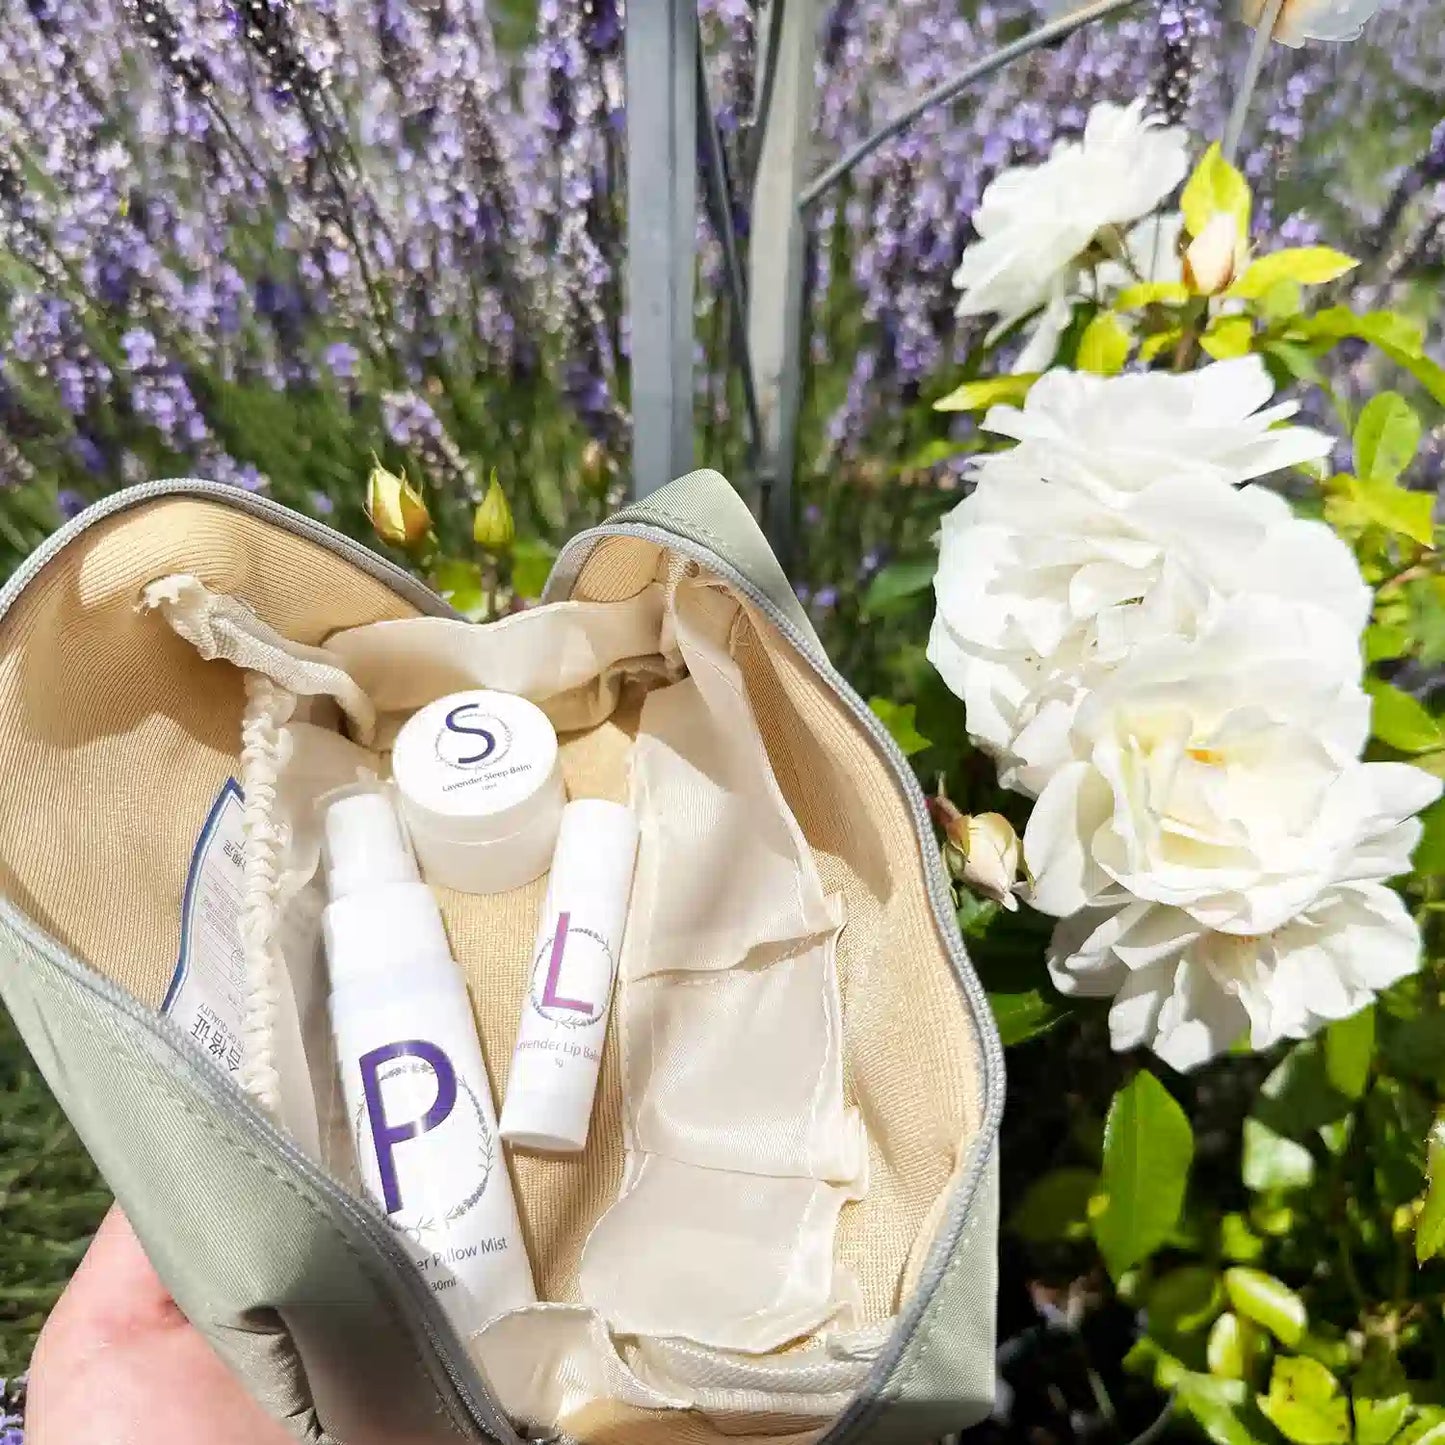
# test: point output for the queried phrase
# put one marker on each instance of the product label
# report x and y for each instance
(475, 746)
(426, 1145)
(207, 991)
(571, 988)
(410, 1088)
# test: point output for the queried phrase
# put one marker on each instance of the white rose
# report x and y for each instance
(1189, 992)
(1124, 433)
(1302, 20)
(1218, 775)
(1045, 586)
(1035, 222)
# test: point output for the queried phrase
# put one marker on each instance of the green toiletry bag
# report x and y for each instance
(119, 740)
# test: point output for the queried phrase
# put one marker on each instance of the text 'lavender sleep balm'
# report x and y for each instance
(481, 790)
(417, 1099)
(553, 1078)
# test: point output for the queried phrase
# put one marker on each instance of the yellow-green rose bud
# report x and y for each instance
(395, 508)
(493, 527)
(596, 466)
(1215, 256)
(982, 850)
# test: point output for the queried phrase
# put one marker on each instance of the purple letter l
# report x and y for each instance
(550, 997)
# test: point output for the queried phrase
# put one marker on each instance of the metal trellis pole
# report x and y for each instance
(661, 63)
(777, 258)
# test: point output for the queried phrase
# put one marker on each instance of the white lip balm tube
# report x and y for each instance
(569, 987)
(417, 1098)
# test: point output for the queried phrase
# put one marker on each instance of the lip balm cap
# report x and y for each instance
(597, 846)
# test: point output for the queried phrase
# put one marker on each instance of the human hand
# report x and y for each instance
(119, 1364)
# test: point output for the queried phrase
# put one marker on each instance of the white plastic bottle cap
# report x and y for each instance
(366, 856)
(481, 790)
(364, 845)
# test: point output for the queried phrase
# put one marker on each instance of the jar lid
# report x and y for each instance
(469, 766)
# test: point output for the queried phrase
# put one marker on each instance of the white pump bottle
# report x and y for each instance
(417, 1097)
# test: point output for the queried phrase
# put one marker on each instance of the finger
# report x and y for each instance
(115, 1291)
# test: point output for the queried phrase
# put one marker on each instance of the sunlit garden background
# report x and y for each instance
(291, 247)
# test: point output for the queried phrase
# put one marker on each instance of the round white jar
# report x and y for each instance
(480, 785)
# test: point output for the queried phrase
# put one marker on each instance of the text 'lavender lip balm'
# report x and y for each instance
(417, 1099)
(548, 1104)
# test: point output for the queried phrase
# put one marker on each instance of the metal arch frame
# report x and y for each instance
(669, 121)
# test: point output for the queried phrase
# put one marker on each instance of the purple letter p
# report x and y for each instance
(385, 1137)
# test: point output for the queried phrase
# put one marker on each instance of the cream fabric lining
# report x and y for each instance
(741, 1151)
(97, 703)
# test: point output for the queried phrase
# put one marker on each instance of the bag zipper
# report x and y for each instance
(446, 1349)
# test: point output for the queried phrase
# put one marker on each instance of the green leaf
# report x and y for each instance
(1022, 1016)
(1329, 1347)
(1381, 1395)
(1397, 338)
(1148, 1148)
(1296, 361)
(896, 583)
(1399, 720)
(1218, 1407)
(1235, 1346)
(1184, 1301)
(976, 914)
(1151, 293)
(1427, 1428)
(1160, 342)
(1228, 337)
(532, 560)
(1281, 301)
(1272, 1162)
(1384, 642)
(1104, 346)
(898, 718)
(1399, 1119)
(1267, 1301)
(1237, 1241)
(1297, 1098)
(1336, 1135)
(1382, 504)
(1349, 1051)
(1307, 265)
(1151, 1360)
(1430, 851)
(1425, 604)
(1055, 1207)
(460, 584)
(978, 395)
(1387, 436)
(1305, 1404)
(1430, 1226)
(1215, 186)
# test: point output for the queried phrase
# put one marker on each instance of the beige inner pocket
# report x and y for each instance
(115, 736)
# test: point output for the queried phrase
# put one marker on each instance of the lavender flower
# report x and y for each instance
(415, 427)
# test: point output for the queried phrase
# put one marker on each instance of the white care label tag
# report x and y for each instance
(206, 996)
